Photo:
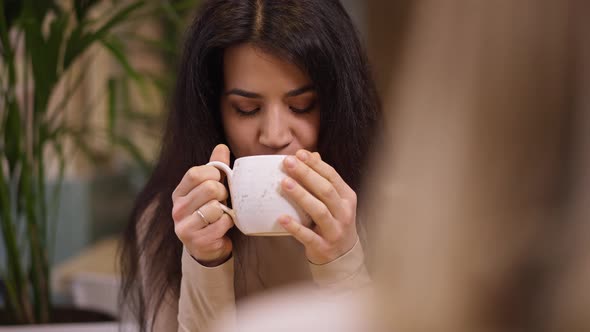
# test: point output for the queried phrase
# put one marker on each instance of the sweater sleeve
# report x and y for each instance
(348, 272)
(206, 294)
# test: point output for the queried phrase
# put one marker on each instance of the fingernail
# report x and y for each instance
(289, 183)
(290, 162)
(284, 220)
(302, 155)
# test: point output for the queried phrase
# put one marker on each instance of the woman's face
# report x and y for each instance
(268, 106)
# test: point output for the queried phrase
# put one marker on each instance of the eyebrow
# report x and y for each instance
(249, 94)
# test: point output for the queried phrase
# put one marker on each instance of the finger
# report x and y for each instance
(218, 229)
(208, 239)
(314, 161)
(211, 211)
(203, 193)
(193, 222)
(306, 236)
(220, 153)
(316, 184)
(188, 228)
(317, 210)
(194, 177)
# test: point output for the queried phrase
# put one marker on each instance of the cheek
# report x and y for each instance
(238, 134)
(308, 131)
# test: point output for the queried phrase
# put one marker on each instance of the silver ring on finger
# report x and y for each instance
(207, 223)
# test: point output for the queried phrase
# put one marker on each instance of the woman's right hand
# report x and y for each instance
(204, 236)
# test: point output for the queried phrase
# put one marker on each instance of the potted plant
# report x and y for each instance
(40, 43)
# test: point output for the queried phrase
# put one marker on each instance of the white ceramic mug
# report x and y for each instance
(257, 201)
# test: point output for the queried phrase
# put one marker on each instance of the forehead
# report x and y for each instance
(247, 66)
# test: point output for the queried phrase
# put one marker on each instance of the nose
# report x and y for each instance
(275, 131)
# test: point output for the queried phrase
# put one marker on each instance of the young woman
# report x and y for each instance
(256, 77)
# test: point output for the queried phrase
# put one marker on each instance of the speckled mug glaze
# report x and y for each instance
(257, 201)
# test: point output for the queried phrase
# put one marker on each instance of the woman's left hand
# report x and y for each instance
(320, 191)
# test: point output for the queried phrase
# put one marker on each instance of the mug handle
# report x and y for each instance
(228, 211)
(229, 173)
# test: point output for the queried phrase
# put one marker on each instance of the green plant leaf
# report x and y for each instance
(184, 5)
(66, 96)
(17, 278)
(81, 7)
(39, 9)
(43, 133)
(55, 197)
(112, 111)
(116, 48)
(80, 40)
(11, 295)
(162, 82)
(39, 272)
(171, 12)
(12, 134)
(7, 52)
(12, 10)
(119, 17)
(81, 143)
(53, 45)
(75, 45)
(35, 49)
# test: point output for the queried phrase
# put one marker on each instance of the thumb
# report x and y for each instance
(220, 153)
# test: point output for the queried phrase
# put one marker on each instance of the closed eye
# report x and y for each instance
(244, 112)
(303, 110)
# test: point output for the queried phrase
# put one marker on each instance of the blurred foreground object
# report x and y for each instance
(480, 181)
